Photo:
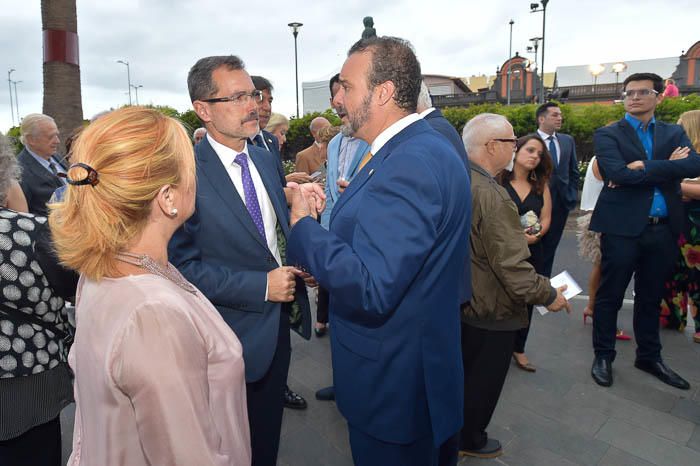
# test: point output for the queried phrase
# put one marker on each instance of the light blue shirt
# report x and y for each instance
(646, 137)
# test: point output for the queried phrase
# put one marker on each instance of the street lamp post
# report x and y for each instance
(618, 68)
(295, 31)
(596, 70)
(510, 54)
(128, 76)
(9, 85)
(533, 49)
(14, 84)
(534, 9)
(136, 91)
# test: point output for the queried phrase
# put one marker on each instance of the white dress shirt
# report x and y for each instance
(392, 131)
(227, 156)
(546, 136)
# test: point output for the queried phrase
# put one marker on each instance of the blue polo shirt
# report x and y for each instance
(646, 137)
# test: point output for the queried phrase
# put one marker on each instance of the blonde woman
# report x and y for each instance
(159, 374)
(278, 125)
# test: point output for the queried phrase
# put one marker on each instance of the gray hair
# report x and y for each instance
(199, 80)
(480, 129)
(9, 168)
(199, 130)
(424, 100)
(30, 123)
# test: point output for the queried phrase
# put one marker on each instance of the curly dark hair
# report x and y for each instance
(542, 172)
(393, 59)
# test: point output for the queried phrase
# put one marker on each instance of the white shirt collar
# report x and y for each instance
(225, 153)
(546, 136)
(425, 112)
(392, 131)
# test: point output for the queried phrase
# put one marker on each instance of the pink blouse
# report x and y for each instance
(159, 377)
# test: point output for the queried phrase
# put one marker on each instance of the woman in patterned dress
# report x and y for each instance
(35, 381)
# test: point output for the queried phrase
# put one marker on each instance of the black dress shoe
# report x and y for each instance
(293, 400)
(320, 331)
(326, 394)
(662, 372)
(492, 449)
(602, 372)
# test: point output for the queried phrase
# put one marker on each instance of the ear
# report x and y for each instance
(385, 92)
(165, 200)
(202, 111)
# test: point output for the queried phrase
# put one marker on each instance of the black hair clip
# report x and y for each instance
(92, 177)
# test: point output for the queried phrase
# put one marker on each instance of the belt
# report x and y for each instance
(658, 220)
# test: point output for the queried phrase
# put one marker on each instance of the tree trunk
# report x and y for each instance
(62, 97)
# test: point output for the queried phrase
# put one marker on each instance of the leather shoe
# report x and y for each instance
(293, 400)
(492, 449)
(662, 372)
(602, 372)
(326, 394)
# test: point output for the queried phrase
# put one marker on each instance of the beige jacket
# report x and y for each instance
(503, 282)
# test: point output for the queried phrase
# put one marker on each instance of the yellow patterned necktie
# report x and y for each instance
(365, 160)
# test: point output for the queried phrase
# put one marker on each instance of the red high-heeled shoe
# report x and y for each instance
(620, 335)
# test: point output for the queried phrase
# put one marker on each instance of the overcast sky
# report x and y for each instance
(163, 38)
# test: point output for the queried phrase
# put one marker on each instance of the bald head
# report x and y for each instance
(316, 125)
(481, 139)
(199, 134)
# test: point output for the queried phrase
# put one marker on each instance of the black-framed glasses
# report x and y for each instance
(510, 140)
(632, 93)
(239, 98)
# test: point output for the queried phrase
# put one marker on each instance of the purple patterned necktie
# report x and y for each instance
(251, 197)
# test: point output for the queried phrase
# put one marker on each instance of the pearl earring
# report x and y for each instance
(173, 212)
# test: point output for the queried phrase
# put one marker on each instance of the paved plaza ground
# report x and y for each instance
(556, 416)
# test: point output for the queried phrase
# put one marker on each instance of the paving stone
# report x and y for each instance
(687, 409)
(650, 447)
(615, 457)
(521, 453)
(694, 441)
(611, 405)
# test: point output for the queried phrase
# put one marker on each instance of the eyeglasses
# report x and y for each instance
(631, 94)
(510, 140)
(239, 98)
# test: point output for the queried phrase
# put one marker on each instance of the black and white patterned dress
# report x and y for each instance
(35, 383)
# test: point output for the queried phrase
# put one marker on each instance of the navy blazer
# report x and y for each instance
(563, 185)
(272, 145)
(392, 263)
(624, 210)
(444, 127)
(38, 184)
(220, 251)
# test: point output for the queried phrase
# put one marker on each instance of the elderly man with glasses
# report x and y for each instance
(639, 214)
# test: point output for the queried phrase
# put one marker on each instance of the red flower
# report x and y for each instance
(691, 254)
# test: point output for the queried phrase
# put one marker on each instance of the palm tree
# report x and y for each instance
(62, 97)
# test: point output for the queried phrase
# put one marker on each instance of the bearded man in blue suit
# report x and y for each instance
(392, 263)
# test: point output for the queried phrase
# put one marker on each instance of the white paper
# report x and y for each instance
(572, 288)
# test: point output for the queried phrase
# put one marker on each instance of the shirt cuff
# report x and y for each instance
(267, 284)
(552, 297)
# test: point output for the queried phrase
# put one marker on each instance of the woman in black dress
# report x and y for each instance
(528, 186)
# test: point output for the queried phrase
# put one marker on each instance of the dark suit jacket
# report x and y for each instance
(221, 252)
(444, 127)
(563, 184)
(624, 210)
(38, 184)
(392, 263)
(272, 144)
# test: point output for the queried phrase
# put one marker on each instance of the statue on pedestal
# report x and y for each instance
(369, 28)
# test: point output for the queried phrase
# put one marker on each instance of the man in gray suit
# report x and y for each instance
(39, 162)
(564, 181)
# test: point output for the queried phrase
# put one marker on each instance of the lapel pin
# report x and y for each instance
(370, 172)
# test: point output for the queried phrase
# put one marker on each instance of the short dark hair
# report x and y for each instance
(199, 82)
(262, 84)
(334, 79)
(653, 77)
(393, 59)
(543, 109)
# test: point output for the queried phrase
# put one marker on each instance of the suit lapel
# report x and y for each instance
(269, 181)
(659, 135)
(632, 135)
(211, 166)
(39, 171)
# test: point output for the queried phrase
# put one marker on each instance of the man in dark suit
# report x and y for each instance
(392, 263)
(266, 140)
(640, 215)
(433, 116)
(232, 247)
(563, 185)
(39, 162)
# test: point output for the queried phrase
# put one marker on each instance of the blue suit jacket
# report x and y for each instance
(272, 144)
(392, 263)
(563, 184)
(444, 127)
(624, 210)
(332, 193)
(221, 252)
